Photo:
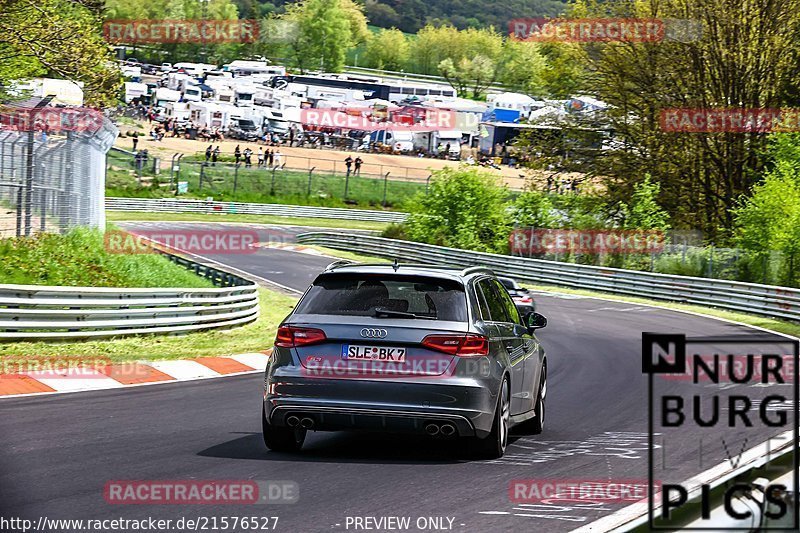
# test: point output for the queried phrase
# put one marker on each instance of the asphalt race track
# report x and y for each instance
(60, 451)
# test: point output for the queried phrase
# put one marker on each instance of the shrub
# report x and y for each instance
(463, 208)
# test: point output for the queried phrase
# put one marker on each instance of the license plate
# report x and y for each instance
(390, 354)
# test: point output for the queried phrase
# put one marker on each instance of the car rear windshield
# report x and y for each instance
(389, 296)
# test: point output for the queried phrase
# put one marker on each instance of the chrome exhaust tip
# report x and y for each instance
(448, 430)
(307, 422)
(292, 421)
(431, 429)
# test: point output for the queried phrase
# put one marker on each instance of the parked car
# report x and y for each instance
(243, 129)
(522, 297)
(406, 348)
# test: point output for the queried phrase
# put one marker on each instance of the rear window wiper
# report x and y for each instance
(382, 312)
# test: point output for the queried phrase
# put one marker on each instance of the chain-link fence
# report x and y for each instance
(51, 182)
(134, 174)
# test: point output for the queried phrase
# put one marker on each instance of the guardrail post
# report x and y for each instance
(427, 183)
(711, 261)
(236, 176)
(385, 186)
(272, 187)
(202, 175)
(310, 172)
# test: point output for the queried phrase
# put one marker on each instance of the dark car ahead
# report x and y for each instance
(405, 348)
(522, 297)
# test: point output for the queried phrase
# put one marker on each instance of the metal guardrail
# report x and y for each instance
(765, 300)
(30, 312)
(169, 205)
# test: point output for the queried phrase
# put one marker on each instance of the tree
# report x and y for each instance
(382, 15)
(533, 209)
(474, 75)
(56, 38)
(387, 49)
(326, 29)
(644, 212)
(182, 10)
(746, 58)
(521, 66)
(769, 220)
(463, 208)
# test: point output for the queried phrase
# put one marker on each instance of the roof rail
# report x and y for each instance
(477, 269)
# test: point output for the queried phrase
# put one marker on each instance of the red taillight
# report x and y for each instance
(290, 336)
(468, 345)
(524, 299)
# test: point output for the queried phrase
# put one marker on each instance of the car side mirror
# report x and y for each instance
(535, 321)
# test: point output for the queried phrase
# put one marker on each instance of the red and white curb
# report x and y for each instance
(118, 375)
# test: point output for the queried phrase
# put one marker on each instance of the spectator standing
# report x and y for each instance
(269, 158)
(358, 162)
(248, 157)
(348, 163)
(237, 153)
(260, 156)
(215, 156)
(135, 142)
(208, 153)
(277, 157)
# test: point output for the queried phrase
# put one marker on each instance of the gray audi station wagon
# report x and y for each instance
(406, 348)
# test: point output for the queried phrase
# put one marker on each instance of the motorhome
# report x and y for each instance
(164, 95)
(192, 93)
(277, 99)
(134, 91)
(270, 120)
(177, 80)
(399, 140)
(243, 95)
(178, 111)
(131, 72)
(66, 92)
(223, 94)
(451, 138)
(212, 115)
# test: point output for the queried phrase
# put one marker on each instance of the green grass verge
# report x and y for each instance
(80, 258)
(224, 183)
(253, 337)
(133, 216)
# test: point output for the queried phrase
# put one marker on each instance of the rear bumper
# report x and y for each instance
(383, 404)
(334, 418)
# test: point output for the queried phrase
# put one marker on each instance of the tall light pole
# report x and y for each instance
(204, 4)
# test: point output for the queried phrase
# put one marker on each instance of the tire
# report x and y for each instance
(495, 444)
(281, 439)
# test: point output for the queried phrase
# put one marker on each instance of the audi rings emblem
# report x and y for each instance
(373, 333)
